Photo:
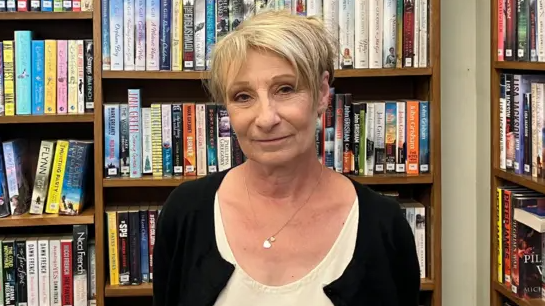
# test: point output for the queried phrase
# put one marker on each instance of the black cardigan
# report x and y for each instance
(188, 269)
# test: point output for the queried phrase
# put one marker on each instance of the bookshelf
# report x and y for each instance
(169, 86)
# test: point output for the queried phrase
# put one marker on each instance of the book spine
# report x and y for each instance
(224, 139)
(152, 34)
(67, 296)
(210, 24)
(23, 85)
(134, 248)
(147, 152)
(389, 39)
(236, 152)
(43, 5)
(375, 33)
(412, 137)
(124, 139)
(526, 134)
(346, 34)
(116, 34)
(408, 34)
(390, 132)
(11, 175)
(416, 33)
(380, 135)
(222, 19)
(140, 36)
(135, 130)
(355, 130)
(21, 276)
(72, 77)
(371, 140)
(92, 281)
(363, 139)
(200, 32)
(105, 25)
(399, 33)
(111, 140)
(75, 178)
(55, 272)
(361, 29)
(50, 77)
(123, 247)
(44, 271)
(152, 217)
(523, 30)
(62, 76)
(38, 77)
(81, 264)
(211, 137)
(2, 97)
(348, 153)
(144, 245)
(42, 177)
(9, 78)
(89, 77)
(9, 271)
(400, 137)
(424, 141)
(200, 135)
(177, 35)
(164, 35)
(423, 39)
(177, 140)
(57, 177)
(113, 255)
(80, 68)
(502, 129)
(189, 35)
(32, 272)
(338, 117)
(539, 117)
(189, 134)
(540, 42)
(128, 34)
(329, 131)
(11, 5)
(166, 130)
(156, 140)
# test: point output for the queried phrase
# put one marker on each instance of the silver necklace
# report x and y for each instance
(267, 244)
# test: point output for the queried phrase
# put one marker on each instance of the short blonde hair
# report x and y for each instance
(302, 41)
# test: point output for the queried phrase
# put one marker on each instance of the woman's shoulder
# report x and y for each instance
(377, 203)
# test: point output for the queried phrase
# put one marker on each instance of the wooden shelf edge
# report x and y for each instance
(150, 181)
(27, 220)
(198, 75)
(511, 296)
(146, 289)
(45, 15)
(520, 66)
(537, 184)
(68, 118)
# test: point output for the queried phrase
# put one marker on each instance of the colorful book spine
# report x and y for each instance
(116, 34)
(166, 130)
(210, 24)
(9, 271)
(211, 137)
(152, 34)
(140, 35)
(38, 90)
(424, 142)
(190, 158)
(200, 135)
(73, 191)
(390, 141)
(9, 78)
(128, 34)
(177, 35)
(50, 77)
(43, 5)
(113, 258)
(177, 140)
(156, 140)
(89, 77)
(164, 34)
(72, 77)
(2, 96)
(200, 33)
(111, 140)
(144, 243)
(124, 139)
(401, 137)
(57, 177)
(413, 136)
(62, 76)
(135, 130)
(389, 33)
(23, 71)
(105, 22)
(42, 177)
(80, 69)
(147, 156)
(224, 138)
(189, 35)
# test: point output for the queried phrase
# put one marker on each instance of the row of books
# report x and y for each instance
(521, 30)
(41, 269)
(522, 102)
(46, 76)
(178, 35)
(46, 5)
(519, 247)
(195, 139)
(130, 239)
(60, 181)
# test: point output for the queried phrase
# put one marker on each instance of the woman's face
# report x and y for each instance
(275, 122)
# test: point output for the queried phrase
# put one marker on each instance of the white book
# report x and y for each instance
(152, 35)
(370, 136)
(423, 38)
(375, 33)
(331, 22)
(503, 149)
(416, 34)
(314, 8)
(400, 137)
(533, 128)
(380, 124)
(43, 273)
(147, 160)
(200, 33)
(361, 29)
(140, 35)
(42, 177)
(73, 77)
(80, 69)
(346, 34)
(32, 272)
(128, 34)
(116, 34)
(540, 29)
(200, 134)
(389, 33)
(529, 219)
(55, 275)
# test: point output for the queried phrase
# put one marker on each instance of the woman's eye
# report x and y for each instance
(242, 98)
(285, 89)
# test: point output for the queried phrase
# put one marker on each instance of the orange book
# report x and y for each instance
(413, 123)
(190, 153)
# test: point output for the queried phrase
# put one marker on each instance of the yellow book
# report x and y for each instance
(177, 35)
(50, 76)
(499, 208)
(9, 80)
(72, 76)
(57, 177)
(113, 257)
(156, 140)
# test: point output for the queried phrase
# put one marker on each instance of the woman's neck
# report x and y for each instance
(285, 182)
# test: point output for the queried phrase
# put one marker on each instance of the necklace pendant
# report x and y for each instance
(268, 242)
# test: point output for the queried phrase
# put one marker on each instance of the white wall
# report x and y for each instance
(465, 102)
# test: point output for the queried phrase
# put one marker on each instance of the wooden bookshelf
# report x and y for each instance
(510, 295)
(46, 119)
(87, 216)
(530, 66)
(45, 15)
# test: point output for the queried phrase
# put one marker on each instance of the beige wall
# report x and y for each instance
(465, 102)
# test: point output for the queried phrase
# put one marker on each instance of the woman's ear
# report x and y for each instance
(324, 96)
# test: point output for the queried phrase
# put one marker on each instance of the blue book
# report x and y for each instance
(144, 246)
(73, 186)
(111, 140)
(105, 18)
(424, 137)
(210, 25)
(23, 72)
(164, 35)
(135, 132)
(46, 5)
(116, 34)
(38, 90)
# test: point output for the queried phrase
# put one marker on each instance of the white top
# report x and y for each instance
(242, 290)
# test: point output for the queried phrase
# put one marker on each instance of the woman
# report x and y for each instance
(280, 229)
